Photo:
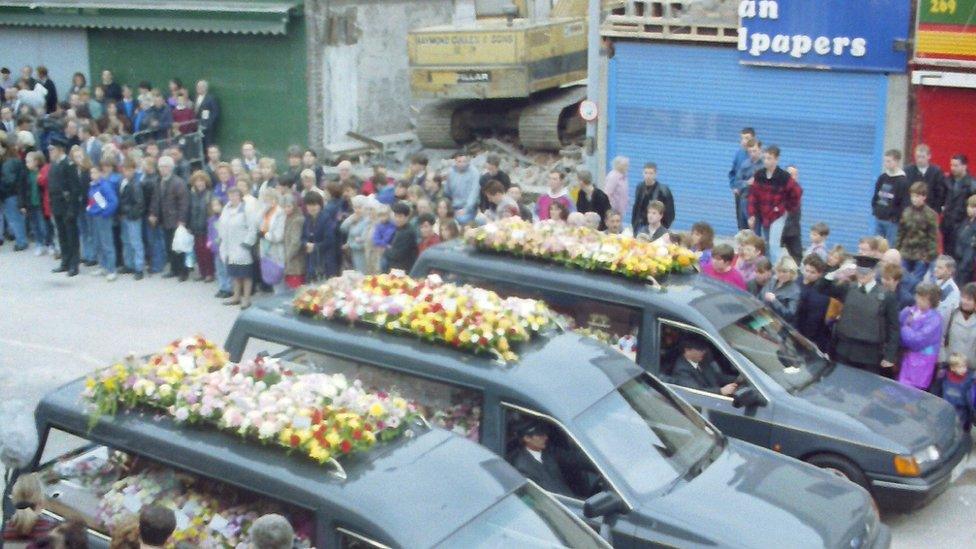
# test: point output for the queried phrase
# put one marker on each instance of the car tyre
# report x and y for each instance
(841, 467)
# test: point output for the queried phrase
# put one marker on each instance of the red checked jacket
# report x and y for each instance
(772, 197)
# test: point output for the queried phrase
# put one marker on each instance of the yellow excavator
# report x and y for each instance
(517, 66)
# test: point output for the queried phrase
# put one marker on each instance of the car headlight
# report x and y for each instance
(911, 466)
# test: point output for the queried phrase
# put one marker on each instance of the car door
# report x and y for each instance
(586, 478)
(752, 424)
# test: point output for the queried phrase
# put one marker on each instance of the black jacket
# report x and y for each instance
(934, 179)
(957, 192)
(402, 252)
(13, 180)
(707, 377)
(600, 203)
(207, 113)
(547, 474)
(890, 192)
(113, 91)
(811, 315)
(502, 178)
(64, 188)
(51, 99)
(645, 196)
(132, 204)
(199, 211)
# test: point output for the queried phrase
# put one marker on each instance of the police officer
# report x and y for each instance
(67, 197)
(868, 330)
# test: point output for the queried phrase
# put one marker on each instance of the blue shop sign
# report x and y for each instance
(862, 35)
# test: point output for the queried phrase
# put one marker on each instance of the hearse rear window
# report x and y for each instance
(448, 406)
(616, 325)
(107, 488)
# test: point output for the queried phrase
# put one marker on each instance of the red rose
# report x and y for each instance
(346, 447)
(357, 434)
(294, 441)
(316, 417)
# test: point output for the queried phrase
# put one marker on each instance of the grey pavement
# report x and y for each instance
(54, 329)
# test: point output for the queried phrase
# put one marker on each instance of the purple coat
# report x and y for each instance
(921, 337)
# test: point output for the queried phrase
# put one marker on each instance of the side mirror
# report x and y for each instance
(603, 504)
(747, 397)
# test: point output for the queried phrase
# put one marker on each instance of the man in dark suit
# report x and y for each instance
(536, 462)
(51, 99)
(67, 196)
(170, 208)
(692, 371)
(207, 111)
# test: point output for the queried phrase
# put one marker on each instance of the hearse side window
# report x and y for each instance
(617, 325)
(445, 405)
(672, 345)
(107, 488)
(564, 470)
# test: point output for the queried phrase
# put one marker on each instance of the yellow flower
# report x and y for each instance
(333, 439)
(284, 436)
(369, 437)
(400, 403)
(376, 410)
(318, 453)
(110, 384)
(89, 383)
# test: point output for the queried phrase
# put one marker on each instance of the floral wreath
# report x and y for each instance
(583, 248)
(465, 317)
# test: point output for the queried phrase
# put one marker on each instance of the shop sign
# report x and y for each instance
(867, 35)
(946, 31)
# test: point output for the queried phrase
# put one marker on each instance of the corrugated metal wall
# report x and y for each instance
(63, 51)
(259, 80)
(683, 106)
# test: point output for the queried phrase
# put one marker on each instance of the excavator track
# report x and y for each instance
(439, 125)
(549, 120)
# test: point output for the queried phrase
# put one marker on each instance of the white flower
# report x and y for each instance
(182, 414)
(267, 430)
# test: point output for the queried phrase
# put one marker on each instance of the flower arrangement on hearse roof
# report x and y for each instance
(462, 316)
(322, 416)
(583, 248)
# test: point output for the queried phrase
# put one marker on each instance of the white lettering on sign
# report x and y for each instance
(797, 46)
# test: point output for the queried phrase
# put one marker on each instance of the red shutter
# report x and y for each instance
(944, 120)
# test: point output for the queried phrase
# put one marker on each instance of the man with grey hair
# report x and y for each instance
(207, 111)
(615, 185)
(170, 208)
(943, 271)
(271, 532)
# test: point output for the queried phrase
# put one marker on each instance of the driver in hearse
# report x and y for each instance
(691, 370)
(538, 463)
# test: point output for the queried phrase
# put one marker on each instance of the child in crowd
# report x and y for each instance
(702, 240)
(425, 226)
(500, 205)
(965, 243)
(751, 250)
(836, 257)
(402, 251)
(918, 233)
(921, 338)
(956, 387)
(102, 204)
(654, 229)
(762, 273)
(213, 244)
(720, 268)
(450, 230)
(383, 233)
(818, 240)
(557, 194)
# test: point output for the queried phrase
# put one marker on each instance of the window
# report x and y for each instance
(616, 325)
(565, 469)
(107, 488)
(448, 406)
(672, 344)
(351, 540)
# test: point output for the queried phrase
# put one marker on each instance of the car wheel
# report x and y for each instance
(840, 467)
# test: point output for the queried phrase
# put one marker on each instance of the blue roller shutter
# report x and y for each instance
(683, 106)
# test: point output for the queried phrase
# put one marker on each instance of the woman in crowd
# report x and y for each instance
(237, 235)
(200, 197)
(78, 83)
(702, 240)
(781, 293)
(27, 523)
(271, 235)
(114, 121)
(314, 237)
(225, 180)
(224, 283)
(295, 262)
(354, 229)
(921, 337)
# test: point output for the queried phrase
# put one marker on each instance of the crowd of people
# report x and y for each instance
(124, 205)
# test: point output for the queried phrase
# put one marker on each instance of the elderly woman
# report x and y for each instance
(237, 235)
(272, 233)
(355, 228)
(782, 293)
(295, 260)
